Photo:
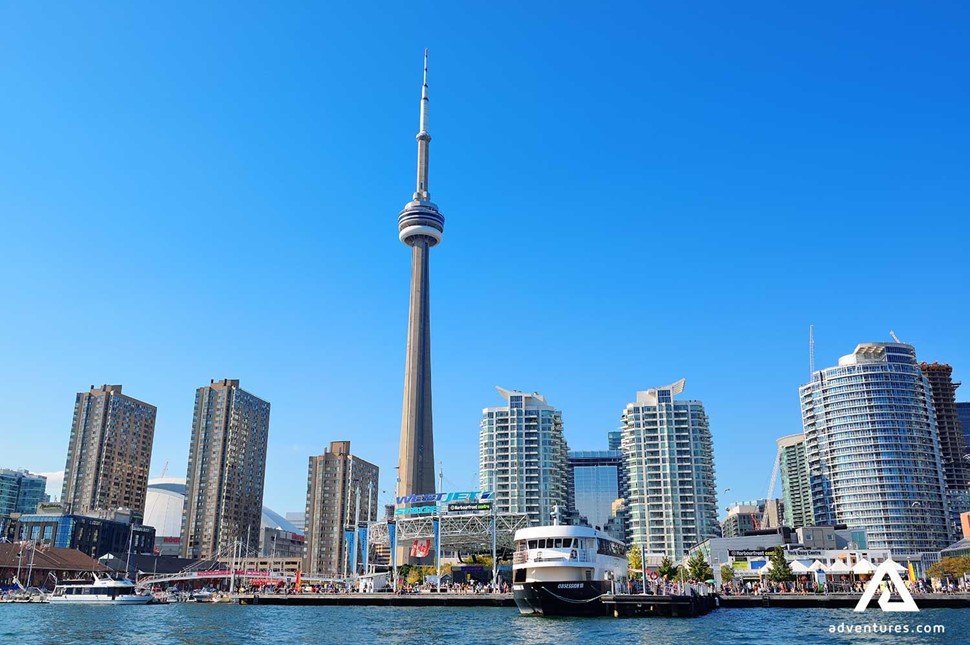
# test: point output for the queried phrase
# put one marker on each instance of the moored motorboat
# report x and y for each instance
(100, 590)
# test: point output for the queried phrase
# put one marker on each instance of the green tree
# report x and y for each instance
(698, 569)
(950, 567)
(727, 573)
(635, 562)
(780, 569)
(667, 570)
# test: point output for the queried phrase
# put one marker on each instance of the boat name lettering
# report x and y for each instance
(571, 585)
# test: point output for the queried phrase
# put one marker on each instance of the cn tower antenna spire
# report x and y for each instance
(422, 193)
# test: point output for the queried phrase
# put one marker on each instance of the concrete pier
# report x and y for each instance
(624, 606)
(837, 600)
(379, 599)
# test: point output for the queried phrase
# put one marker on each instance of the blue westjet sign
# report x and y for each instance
(431, 500)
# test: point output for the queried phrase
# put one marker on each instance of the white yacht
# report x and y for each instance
(100, 591)
(566, 570)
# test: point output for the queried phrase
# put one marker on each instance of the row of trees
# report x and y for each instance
(696, 569)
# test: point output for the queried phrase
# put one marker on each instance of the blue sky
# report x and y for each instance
(634, 193)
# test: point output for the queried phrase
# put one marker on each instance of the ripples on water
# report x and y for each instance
(195, 623)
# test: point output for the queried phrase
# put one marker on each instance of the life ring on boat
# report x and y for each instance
(653, 575)
(572, 554)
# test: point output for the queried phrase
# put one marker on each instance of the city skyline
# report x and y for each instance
(761, 176)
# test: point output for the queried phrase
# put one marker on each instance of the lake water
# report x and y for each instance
(227, 623)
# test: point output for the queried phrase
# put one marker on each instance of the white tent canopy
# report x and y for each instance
(798, 567)
(899, 568)
(839, 567)
(817, 566)
(863, 567)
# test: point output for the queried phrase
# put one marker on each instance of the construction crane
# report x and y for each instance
(771, 487)
(895, 338)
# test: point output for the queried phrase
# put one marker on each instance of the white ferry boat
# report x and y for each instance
(100, 591)
(566, 570)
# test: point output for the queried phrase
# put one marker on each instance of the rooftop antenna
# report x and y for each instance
(891, 333)
(811, 352)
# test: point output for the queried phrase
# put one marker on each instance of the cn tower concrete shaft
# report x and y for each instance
(416, 465)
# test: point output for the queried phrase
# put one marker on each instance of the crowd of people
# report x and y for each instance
(749, 587)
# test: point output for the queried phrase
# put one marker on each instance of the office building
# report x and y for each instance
(745, 517)
(20, 491)
(226, 471)
(109, 452)
(341, 496)
(280, 543)
(595, 481)
(523, 456)
(873, 451)
(670, 464)
(614, 439)
(796, 488)
(93, 536)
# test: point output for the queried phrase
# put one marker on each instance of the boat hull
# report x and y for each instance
(94, 600)
(561, 598)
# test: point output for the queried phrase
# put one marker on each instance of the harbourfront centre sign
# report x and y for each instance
(429, 503)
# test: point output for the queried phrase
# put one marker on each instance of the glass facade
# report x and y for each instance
(595, 482)
(873, 450)
(20, 491)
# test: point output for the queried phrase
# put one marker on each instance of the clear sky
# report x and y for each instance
(634, 194)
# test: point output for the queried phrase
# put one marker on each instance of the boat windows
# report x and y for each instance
(606, 547)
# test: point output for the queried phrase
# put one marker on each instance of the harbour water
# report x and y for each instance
(227, 623)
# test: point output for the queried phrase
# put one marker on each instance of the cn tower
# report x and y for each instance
(420, 226)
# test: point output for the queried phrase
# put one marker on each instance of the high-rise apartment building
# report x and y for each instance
(226, 471)
(796, 487)
(956, 471)
(341, 495)
(109, 453)
(595, 481)
(873, 450)
(522, 456)
(670, 464)
(20, 491)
